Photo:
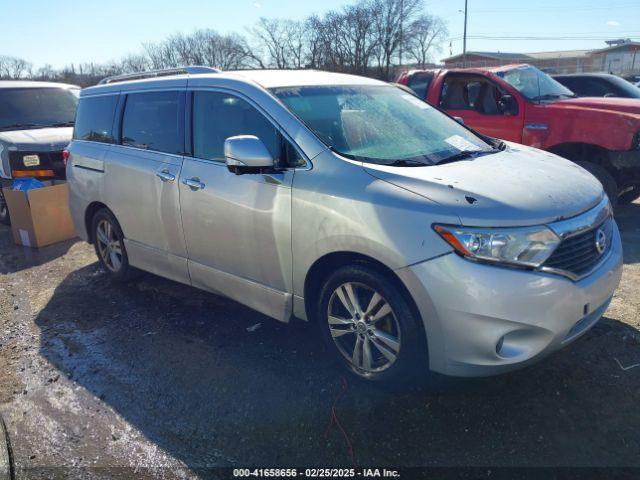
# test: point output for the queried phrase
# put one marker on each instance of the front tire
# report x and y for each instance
(371, 326)
(630, 196)
(606, 179)
(108, 241)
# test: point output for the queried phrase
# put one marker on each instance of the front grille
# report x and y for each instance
(578, 254)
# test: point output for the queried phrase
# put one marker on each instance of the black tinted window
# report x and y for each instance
(95, 118)
(34, 107)
(218, 116)
(419, 83)
(153, 121)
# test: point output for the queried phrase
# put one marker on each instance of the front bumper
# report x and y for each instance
(483, 320)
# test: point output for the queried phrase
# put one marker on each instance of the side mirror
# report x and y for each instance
(246, 154)
(460, 120)
(508, 105)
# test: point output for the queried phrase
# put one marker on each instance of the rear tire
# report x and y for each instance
(108, 241)
(606, 179)
(371, 327)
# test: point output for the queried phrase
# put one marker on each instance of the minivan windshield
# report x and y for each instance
(535, 84)
(22, 108)
(381, 124)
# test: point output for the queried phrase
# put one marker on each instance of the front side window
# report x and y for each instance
(597, 88)
(94, 119)
(153, 121)
(535, 84)
(23, 108)
(380, 124)
(218, 116)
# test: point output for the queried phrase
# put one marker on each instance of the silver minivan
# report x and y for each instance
(412, 242)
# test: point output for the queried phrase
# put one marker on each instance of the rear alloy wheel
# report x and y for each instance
(109, 245)
(369, 321)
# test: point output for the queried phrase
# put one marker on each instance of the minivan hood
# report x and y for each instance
(38, 139)
(516, 187)
(615, 104)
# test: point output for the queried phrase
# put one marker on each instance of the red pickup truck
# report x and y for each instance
(522, 104)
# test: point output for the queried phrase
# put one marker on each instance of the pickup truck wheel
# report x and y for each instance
(369, 324)
(108, 241)
(630, 196)
(4, 211)
(608, 182)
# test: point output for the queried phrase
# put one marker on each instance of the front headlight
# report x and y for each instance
(525, 246)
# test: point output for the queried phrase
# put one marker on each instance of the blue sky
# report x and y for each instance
(64, 31)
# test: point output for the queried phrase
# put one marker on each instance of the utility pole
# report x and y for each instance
(401, 32)
(464, 38)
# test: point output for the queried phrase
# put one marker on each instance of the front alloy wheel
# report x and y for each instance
(364, 327)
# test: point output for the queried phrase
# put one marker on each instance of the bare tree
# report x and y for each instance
(283, 40)
(365, 37)
(203, 47)
(424, 34)
(360, 34)
(13, 67)
(390, 18)
(134, 63)
(228, 52)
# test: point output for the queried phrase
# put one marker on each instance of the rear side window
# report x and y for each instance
(153, 121)
(419, 83)
(94, 119)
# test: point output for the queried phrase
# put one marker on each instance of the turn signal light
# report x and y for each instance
(31, 173)
(65, 156)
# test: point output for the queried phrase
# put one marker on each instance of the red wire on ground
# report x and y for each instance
(334, 419)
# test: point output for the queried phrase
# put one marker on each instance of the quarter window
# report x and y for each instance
(153, 121)
(94, 119)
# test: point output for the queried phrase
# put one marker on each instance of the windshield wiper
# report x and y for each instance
(62, 124)
(23, 125)
(552, 96)
(407, 163)
(466, 154)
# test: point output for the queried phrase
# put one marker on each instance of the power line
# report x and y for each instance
(503, 38)
(556, 8)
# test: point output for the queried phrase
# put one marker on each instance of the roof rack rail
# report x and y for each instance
(158, 73)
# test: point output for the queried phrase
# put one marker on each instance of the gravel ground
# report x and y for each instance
(154, 379)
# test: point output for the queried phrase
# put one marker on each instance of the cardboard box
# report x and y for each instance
(40, 216)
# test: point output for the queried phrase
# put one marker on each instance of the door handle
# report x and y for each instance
(165, 175)
(193, 183)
